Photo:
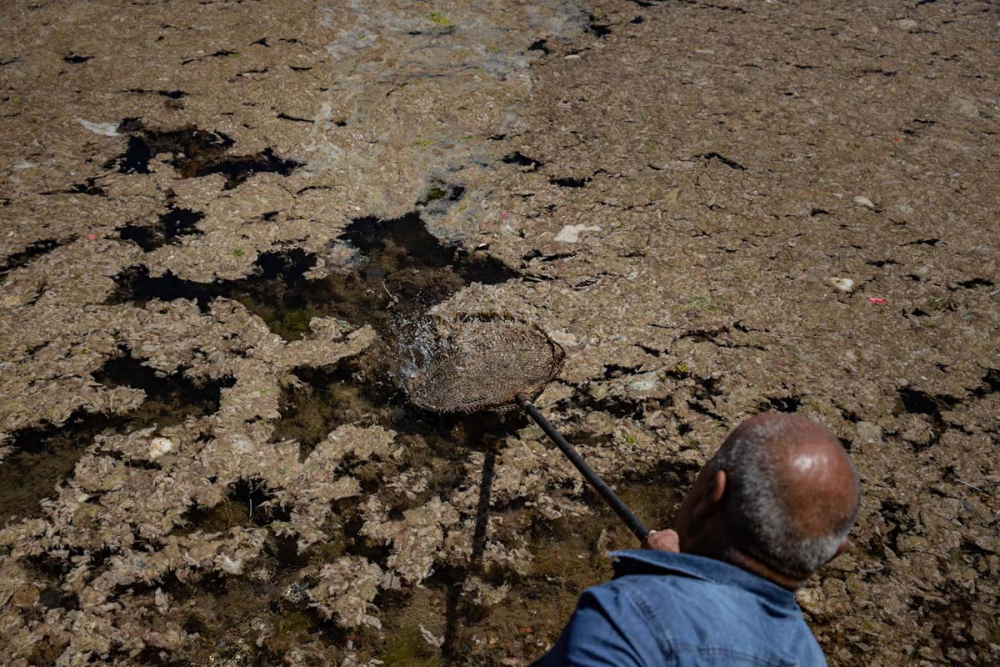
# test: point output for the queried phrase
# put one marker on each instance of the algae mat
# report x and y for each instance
(223, 221)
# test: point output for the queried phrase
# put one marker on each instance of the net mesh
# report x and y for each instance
(483, 363)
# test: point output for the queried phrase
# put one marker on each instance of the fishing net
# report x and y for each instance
(482, 363)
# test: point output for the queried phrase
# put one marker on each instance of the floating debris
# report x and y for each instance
(843, 284)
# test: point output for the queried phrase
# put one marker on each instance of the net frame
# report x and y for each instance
(482, 362)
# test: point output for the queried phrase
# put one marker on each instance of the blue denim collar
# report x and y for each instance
(648, 561)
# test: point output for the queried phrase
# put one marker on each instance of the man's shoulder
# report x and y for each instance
(704, 609)
(675, 620)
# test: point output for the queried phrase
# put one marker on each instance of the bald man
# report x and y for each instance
(774, 504)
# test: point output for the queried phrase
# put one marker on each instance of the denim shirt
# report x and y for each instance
(677, 609)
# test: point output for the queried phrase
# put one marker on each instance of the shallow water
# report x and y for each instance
(399, 271)
(567, 555)
(45, 455)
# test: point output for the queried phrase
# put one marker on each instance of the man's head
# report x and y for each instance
(780, 493)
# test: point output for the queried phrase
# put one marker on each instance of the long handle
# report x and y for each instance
(609, 496)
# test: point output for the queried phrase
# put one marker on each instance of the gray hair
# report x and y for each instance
(759, 515)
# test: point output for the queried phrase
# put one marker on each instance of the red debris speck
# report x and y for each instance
(876, 299)
(91, 237)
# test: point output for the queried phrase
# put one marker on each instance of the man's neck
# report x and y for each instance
(741, 560)
(734, 556)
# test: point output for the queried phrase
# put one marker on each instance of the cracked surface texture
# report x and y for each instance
(218, 221)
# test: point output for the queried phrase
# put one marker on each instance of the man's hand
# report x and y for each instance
(663, 540)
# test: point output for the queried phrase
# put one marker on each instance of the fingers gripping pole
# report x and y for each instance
(609, 496)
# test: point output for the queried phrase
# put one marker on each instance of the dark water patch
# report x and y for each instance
(732, 164)
(536, 254)
(171, 398)
(47, 573)
(188, 144)
(196, 153)
(612, 371)
(168, 228)
(53, 598)
(782, 404)
(25, 257)
(44, 455)
(154, 657)
(975, 282)
(224, 615)
(442, 192)
(363, 546)
(620, 407)
(707, 398)
(238, 169)
(539, 45)
(570, 182)
(362, 391)
(295, 119)
(88, 187)
(597, 29)
(272, 291)
(898, 522)
(408, 252)
(522, 160)
(248, 504)
(402, 270)
(346, 393)
(991, 384)
(171, 94)
(915, 401)
(135, 285)
(41, 456)
(919, 402)
(222, 53)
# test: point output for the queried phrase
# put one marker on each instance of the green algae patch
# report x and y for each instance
(439, 19)
(408, 648)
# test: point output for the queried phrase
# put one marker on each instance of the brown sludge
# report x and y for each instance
(216, 219)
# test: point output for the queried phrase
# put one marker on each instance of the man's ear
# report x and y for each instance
(841, 549)
(715, 490)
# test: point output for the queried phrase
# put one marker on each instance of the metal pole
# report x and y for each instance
(609, 496)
